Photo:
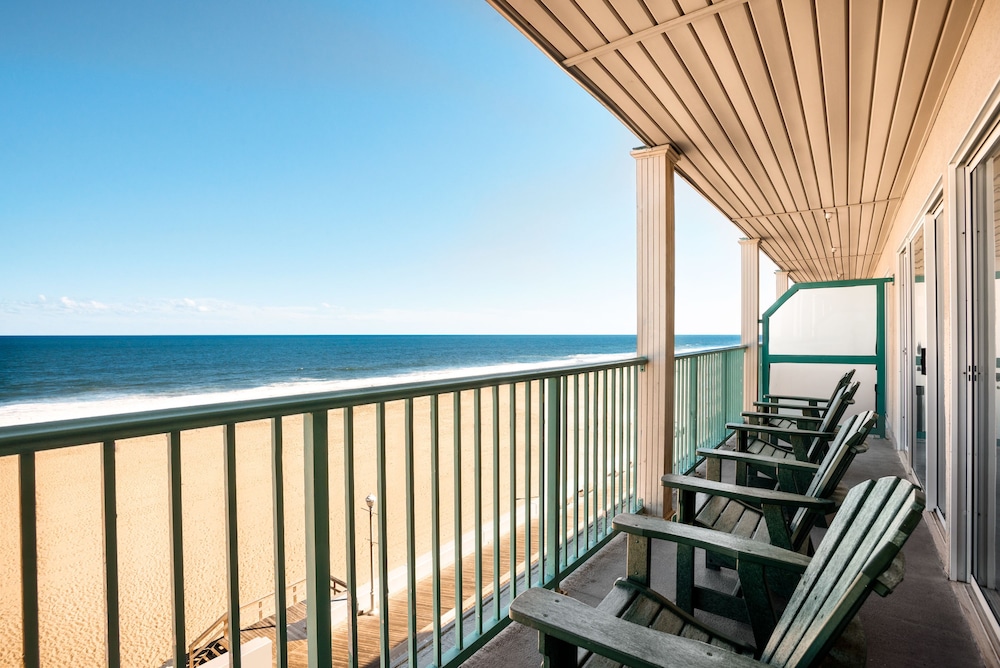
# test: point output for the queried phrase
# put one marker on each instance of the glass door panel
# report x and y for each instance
(986, 221)
(918, 345)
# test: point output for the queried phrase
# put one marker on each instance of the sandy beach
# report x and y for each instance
(70, 534)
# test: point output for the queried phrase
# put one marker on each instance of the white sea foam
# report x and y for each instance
(94, 406)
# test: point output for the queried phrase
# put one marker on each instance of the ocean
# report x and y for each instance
(46, 378)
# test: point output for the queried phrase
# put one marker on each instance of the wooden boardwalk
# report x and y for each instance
(369, 627)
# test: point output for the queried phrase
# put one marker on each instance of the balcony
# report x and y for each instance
(227, 505)
(553, 458)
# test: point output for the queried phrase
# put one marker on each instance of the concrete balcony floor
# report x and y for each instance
(920, 624)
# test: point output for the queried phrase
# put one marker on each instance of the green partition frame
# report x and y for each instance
(878, 359)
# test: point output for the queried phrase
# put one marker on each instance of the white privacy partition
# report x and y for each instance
(817, 331)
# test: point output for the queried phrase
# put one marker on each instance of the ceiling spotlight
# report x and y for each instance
(828, 215)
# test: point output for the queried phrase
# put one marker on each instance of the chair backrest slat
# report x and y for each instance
(843, 382)
(850, 442)
(870, 528)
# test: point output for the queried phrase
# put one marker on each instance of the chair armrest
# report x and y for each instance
(765, 405)
(736, 547)
(781, 416)
(754, 496)
(759, 460)
(570, 621)
(767, 429)
(819, 401)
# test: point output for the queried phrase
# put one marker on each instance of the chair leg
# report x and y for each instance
(556, 653)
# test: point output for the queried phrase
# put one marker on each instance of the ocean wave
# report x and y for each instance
(102, 404)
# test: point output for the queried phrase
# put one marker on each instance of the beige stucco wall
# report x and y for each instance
(974, 82)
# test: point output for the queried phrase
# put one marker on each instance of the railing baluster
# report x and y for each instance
(109, 516)
(621, 417)
(586, 459)
(457, 474)
(527, 484)
(596, 452)
(612, 419)
(635, 438)
(317, 498)
(477, 465)
(495, 391)
(176, 547)
(232, 549)
(435, 530)
(350, 538)
(542, 491)
(383, 533)
(576, 466)
(563, 473)
(29, 560)
(411, 538)
(512, 489)
(604, 450)
(552, 411)
(278, 514)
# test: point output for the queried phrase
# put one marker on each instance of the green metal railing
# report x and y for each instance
(553, 459)
(708, 393)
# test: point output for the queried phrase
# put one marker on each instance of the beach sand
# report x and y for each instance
(70, 534)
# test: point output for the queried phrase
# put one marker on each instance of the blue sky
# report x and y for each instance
(386, 167)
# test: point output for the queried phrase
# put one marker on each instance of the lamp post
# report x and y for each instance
(370, 501)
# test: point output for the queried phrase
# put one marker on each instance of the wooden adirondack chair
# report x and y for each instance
(635, 626)
(790, 406)
(806, 445)
(790, 474)
(777, 517)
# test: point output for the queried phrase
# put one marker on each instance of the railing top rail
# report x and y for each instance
(64, 433)
(708, 351)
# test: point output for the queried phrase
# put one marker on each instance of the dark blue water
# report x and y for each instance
(42, 376)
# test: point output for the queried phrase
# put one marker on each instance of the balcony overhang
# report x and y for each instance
(801, 121)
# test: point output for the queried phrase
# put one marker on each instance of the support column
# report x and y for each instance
(780, 283)
(654, 178)
(749, 317)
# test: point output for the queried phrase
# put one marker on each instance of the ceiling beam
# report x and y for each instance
(658, 29)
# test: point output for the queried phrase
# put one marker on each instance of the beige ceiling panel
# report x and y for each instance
(892, 41)
(831, 18)
(814, 233)
(863, 42)
(852, 216)
(770, 25)
(623, 100)
(531, 13)
(882, 221)
(714, 189)
(576, 23)
(924, 37)
(605, 19)
(957, 25)
(703, 124)
(866, 242)
(749, 127)
(774, 231)
(705, 79)
(805, 55)
(743, 36)
(635, 14)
